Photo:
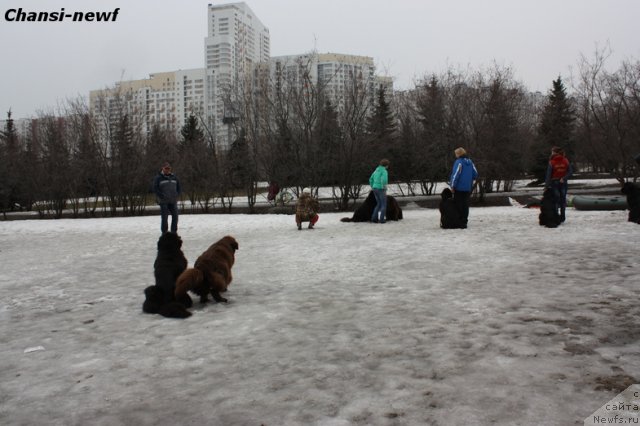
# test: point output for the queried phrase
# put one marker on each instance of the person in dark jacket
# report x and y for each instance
(166, 186)
(461, 182)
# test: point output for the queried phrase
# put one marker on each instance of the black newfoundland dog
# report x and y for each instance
(365, 211)
(633, 201)
(549, 216)
(170, 263)
(449, 215)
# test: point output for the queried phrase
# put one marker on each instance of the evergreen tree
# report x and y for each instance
(9, 161)
(498, 135)
(432, 153)
(191, 132)
(195, 162)
(328, 134)
(556, 128)
(382, 125)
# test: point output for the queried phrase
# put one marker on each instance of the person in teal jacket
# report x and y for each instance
(378, 182)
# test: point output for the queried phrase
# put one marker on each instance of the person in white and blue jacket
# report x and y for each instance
(461, 182)
(166, 186)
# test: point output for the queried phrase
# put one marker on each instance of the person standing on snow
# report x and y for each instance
(379, 180)
(166, 186)
(463, 175)
(558, 173)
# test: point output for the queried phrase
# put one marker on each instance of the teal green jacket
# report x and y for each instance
(379, 178)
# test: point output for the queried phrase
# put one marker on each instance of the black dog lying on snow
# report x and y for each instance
(449, 215)
(633, 201)
(169, 264)
(549, 215)
(364, 212)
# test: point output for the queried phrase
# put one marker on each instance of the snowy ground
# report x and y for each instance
(504, 323)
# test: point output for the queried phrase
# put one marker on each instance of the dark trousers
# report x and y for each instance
(560, 195)
(165, 210)
(461, 199)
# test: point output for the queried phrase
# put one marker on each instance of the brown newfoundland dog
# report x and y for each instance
(211, 273)
(169, 264)
(364, 212)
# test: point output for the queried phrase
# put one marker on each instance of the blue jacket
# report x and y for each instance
(379, 178)
(167, 188)
(463, 174)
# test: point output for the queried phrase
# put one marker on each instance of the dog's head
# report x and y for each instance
(230, 242)
(446, 194)
(169, 241)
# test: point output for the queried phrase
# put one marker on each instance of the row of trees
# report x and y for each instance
(294, 130)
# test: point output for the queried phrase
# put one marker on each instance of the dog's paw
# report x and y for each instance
(219, 298)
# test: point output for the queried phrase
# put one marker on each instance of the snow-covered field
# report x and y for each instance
(504, 323)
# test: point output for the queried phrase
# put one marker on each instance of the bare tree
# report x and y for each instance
(355, 159)
(609, 114)
(85, 159)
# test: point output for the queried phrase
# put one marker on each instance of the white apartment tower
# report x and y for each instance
(236, 42)
(237, 49)
(165, 99)
(334, 72)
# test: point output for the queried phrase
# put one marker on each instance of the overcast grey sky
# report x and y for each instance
(44, 64)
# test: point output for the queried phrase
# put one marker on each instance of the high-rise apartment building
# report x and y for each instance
(165, 99)
(236, 41)
(236, 51)
(334, 72)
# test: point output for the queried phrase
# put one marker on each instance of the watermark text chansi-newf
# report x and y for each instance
(22, 15)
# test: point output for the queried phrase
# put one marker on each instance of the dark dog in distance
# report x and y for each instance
(364, 212)
(549, 215)
(169, 264)
(633, 200)
(449, 215)
(211, 274)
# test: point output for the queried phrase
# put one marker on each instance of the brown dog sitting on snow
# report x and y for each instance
(211, 273)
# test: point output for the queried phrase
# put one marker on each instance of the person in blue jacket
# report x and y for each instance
(166, 186)
(378, 181)
(461, 182)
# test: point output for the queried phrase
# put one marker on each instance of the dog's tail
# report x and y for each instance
(189, 279)
(346, 219)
